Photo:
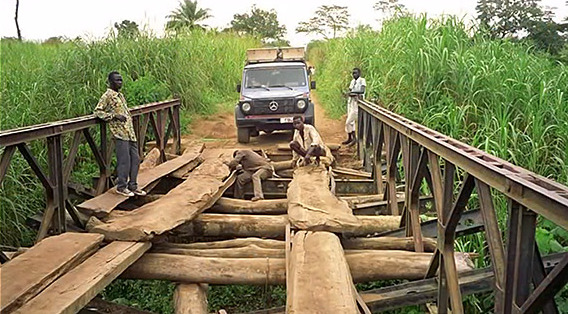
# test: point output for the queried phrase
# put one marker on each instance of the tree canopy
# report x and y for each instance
(521, 19)
(127, 29)
(260, 23)
(187, 15)
(328, 21)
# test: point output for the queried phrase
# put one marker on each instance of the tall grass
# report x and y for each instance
(42, 83)
(503, 97)
(500, 96)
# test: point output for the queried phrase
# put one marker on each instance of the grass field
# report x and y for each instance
(43, 82)
(503, 97)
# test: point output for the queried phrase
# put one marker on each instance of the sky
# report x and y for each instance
(41, 19)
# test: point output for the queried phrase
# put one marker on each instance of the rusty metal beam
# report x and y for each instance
(34, 132)
(544, 196)
(5, 161)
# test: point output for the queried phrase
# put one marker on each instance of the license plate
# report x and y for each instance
(286, 120)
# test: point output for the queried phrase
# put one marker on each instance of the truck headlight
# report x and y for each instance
(301, 104)
(245, 107)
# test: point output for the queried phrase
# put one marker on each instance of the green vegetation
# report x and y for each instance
(506, 98)
(42, 83)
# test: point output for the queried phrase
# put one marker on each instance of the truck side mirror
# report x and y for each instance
(238, 88)
(313, 84)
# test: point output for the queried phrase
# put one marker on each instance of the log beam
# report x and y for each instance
(190, 298)
(364, 266)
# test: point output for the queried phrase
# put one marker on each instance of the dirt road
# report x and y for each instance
(219, 130)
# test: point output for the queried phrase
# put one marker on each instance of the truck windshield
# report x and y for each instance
(275, 77)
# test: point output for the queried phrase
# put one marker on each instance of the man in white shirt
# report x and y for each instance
(306, 142)
(356, 91)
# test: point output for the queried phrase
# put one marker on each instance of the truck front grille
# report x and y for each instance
(267, 106)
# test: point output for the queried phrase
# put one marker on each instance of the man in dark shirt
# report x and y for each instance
(255, 168)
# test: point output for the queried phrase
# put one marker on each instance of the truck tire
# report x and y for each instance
(243, 135)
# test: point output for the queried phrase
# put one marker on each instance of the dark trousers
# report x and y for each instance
(248, 176)
(127, 163)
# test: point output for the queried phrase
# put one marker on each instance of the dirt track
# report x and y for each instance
(219, 130)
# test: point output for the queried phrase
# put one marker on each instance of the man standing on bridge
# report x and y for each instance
(112, 108)
(254, 167)
(306, 142)
(356, 91)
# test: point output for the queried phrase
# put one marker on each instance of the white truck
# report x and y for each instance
(275, 87)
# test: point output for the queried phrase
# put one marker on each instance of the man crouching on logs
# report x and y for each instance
(306, 142)
(253, 168)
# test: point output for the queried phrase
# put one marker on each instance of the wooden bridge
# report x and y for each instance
(322, 230)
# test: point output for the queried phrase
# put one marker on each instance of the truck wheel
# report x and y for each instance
(243, 135)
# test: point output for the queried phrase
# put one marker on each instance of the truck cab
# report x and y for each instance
(275, 87)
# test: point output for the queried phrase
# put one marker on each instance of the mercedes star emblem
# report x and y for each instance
(273, 106)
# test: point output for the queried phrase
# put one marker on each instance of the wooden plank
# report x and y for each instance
(181, 204)
(320, 280)
(312, 206)
(27, 274)
(75, 289)
(190, 298)
(103, 204)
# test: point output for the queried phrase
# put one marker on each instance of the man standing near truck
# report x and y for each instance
(112, 108)
(356, 91)
(254, 168)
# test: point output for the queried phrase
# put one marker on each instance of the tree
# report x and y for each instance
(389, 8)
(327, 19)
(127, 29)
(16, 19)
(259, 23)
(521, 19)
(187, 16)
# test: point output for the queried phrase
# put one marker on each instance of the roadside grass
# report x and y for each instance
(45, 82)
(503, 97)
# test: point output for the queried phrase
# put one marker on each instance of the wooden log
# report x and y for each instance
(151, 160)
(202, 189)
(228, 225)
(74, 290)
(286, 147)
(312, 206)
(250, 251)
(275, 248)
(102, 205)
(237, 206)
(278, 206)
(190, 298)
(272, 226)
(282, 165)
(386, 243)
(183, 172)
(370, 266)
(29, 273)
(320, 280)
(350, 173)
(227, 244)
(380, 243)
